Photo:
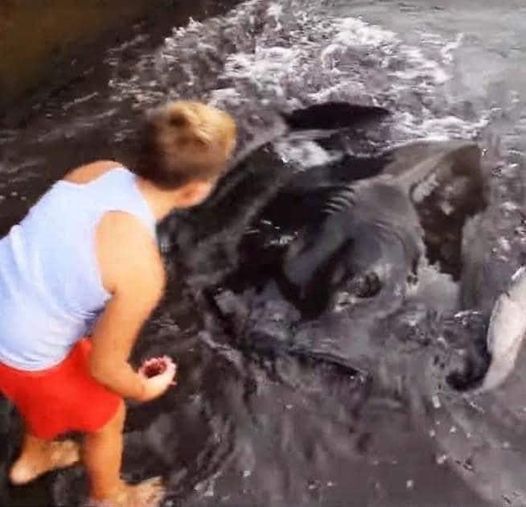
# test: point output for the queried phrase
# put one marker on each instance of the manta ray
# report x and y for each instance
(378, 264)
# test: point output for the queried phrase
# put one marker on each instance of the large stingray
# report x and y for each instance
(342, 276)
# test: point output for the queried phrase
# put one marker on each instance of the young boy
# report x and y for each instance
(85, 259)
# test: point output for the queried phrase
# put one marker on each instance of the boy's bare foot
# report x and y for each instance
(42, 457)
(148, 493)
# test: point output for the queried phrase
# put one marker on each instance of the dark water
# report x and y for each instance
(246, 429)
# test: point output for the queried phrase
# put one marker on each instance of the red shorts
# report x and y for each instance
(61, 399)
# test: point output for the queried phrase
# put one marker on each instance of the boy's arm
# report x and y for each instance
(132, 271)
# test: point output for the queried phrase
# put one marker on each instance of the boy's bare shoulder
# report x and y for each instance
(88, 172)
(128, 255)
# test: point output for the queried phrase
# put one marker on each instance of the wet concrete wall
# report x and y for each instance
(39, 38)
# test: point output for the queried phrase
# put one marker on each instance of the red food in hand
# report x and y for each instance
(154, 367)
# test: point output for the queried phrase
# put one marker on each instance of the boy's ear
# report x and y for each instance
(195, 192)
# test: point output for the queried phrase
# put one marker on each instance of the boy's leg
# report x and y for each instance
(40, 456)
(103, 457)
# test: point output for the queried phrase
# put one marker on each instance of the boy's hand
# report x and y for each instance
(157, 376)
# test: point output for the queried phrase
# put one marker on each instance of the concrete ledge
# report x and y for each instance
(37, 35)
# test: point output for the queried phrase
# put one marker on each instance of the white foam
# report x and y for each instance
(289, 54)
(355, 32)
(437, 289)
(306, 153)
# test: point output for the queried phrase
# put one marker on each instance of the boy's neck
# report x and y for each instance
(162, 202)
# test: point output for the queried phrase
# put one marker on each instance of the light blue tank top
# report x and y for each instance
(50, 285)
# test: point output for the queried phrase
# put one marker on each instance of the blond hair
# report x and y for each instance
(184, 141)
